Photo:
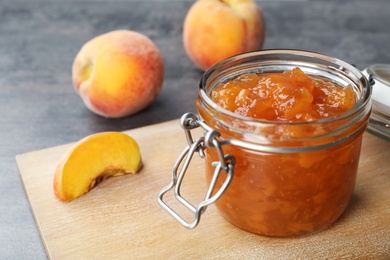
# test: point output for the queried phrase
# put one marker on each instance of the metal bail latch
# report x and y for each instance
(226, 164)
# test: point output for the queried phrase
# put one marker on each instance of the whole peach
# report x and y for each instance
(217, 29)
(118, 73)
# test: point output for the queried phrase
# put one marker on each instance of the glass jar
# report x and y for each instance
(278, 178)
(379, 124)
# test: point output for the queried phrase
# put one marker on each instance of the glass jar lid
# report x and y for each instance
(379, 123)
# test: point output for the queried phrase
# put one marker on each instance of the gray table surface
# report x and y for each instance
(39, 107)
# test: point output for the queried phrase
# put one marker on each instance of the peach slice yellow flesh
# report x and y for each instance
(94, 159)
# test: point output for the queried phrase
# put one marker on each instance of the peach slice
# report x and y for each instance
(94, 159)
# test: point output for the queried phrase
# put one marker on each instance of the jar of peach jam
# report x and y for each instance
(282, 162)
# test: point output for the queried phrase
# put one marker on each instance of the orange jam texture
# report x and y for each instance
(288, 96)
(285, 194)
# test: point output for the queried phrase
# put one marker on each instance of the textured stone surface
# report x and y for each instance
(39, 108)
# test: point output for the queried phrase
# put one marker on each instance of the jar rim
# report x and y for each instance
(299, 56)
(380, 72)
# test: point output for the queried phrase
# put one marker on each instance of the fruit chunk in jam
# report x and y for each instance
(288, 96)
(285, 194)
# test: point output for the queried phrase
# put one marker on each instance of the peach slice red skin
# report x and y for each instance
(94, 159)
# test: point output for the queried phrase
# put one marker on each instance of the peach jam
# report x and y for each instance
(289, 96)
(293, 121)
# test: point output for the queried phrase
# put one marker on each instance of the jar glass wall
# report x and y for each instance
(290, 178)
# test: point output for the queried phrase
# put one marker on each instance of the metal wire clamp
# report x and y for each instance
(225, 164)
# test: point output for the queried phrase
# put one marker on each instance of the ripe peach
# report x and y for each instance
(118, 73)
(217, 29)
(94, 159)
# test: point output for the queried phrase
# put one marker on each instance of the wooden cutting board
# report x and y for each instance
(121, 219)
